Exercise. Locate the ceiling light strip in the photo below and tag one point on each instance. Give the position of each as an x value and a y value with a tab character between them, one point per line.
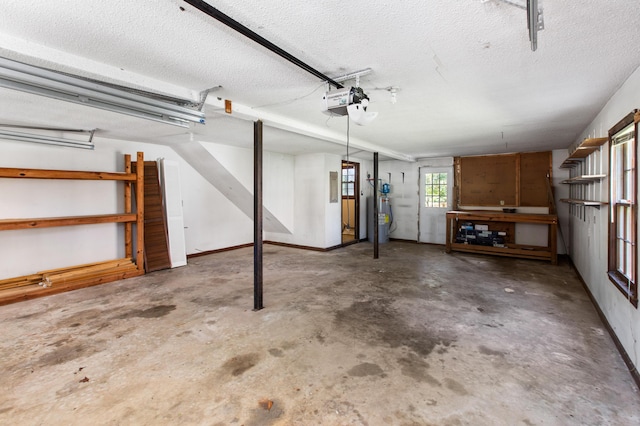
39	81
43	139
237	26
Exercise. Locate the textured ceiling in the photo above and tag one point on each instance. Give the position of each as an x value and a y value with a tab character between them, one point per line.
468	82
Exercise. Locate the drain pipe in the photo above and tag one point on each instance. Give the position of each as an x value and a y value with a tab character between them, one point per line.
237	26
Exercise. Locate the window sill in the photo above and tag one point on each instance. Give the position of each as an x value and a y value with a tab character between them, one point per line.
621	284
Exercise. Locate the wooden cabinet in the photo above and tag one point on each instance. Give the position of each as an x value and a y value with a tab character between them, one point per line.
499	220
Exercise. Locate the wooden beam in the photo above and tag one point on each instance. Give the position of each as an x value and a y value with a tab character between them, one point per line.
128	227
140	212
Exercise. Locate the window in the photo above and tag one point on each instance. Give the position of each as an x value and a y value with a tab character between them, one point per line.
623	208
348	181
436	190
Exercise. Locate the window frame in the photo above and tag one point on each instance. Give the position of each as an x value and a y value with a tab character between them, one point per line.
439	185
349	166
628	288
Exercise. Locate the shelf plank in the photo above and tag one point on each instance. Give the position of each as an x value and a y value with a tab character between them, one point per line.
48	222
8	172
586	148
497	216
584	202
584	179
593	142
513	251
18	294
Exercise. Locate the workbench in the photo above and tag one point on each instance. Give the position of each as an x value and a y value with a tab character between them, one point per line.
497	220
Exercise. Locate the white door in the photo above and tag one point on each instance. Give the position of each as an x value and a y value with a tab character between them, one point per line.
436	184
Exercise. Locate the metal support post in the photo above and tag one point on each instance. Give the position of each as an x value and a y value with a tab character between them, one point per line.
376	230
257	216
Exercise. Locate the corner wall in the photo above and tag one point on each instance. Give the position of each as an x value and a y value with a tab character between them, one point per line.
316	221
211	221
589	234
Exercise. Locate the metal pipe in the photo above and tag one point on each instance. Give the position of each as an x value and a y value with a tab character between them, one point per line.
376	231
237	26
257	216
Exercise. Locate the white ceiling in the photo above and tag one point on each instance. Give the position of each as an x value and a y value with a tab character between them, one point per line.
468	80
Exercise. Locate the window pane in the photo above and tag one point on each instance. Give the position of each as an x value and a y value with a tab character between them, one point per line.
436	190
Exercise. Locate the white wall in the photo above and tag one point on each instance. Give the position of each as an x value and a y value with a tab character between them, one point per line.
316	221
405	193
332	211
211	221
561	191
589	234
366	190
28	251
403	197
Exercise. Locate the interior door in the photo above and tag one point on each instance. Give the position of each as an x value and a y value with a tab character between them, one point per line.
436	192
350	202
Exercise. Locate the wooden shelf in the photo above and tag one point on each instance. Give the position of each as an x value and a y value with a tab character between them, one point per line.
588	203
64	174
69	278
511	250
584	179
48	222
586	147
548	252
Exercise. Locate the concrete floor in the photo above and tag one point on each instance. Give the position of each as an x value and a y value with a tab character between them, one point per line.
417	337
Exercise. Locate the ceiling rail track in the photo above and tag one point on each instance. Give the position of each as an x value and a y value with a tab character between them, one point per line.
237	26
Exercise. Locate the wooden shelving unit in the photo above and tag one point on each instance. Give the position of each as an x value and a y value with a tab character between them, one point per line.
586	147
511	250
69	278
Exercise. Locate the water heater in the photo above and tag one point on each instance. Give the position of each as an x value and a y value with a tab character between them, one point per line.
383	220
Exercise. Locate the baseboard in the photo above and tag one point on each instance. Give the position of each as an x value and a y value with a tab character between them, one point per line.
403	240
297	246
205	253
623	353
273	243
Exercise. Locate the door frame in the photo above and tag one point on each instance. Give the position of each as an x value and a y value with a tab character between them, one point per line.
355	197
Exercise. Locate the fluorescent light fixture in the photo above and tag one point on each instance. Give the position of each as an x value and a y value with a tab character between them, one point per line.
48	140
43	82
